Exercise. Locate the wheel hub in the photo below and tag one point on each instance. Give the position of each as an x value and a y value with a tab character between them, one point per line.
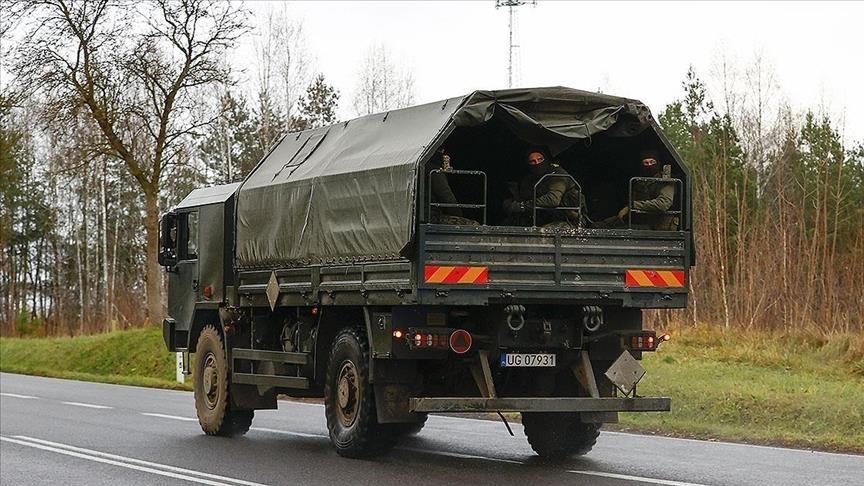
347	394
210	381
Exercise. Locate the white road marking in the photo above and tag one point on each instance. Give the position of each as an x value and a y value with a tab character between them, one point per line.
725	443
308	404
129	462
15	395
463	432
165	471
172	417
625	477
86	405
458	455
286	432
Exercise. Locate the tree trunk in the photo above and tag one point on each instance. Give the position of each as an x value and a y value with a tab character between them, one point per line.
154	274
106	301
112	295
80	271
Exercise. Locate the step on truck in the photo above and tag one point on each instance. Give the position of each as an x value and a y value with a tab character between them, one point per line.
330	272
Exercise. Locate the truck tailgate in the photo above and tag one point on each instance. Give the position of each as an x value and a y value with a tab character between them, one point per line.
587	264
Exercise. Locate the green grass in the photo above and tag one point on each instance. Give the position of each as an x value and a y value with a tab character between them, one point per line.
756	387
136	357
795	390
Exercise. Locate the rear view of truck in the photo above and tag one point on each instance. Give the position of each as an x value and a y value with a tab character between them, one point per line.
334	277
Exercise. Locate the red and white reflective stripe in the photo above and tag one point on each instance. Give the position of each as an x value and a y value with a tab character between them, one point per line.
654	278
436	274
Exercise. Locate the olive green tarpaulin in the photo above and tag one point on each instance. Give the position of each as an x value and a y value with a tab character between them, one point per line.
347	192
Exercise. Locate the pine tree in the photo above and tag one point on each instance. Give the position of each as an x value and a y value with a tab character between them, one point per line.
318	105
269	125
228	148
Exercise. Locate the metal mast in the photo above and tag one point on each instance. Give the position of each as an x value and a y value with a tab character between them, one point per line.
511	4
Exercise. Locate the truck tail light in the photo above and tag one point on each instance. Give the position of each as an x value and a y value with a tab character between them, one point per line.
425	338
646	341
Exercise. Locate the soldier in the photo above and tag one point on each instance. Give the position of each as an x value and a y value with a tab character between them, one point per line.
443	193
652	197
552	192
170	248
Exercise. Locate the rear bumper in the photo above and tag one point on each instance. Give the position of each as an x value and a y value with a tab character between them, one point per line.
540	404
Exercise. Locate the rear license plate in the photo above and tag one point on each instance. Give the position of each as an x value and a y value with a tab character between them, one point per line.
528	360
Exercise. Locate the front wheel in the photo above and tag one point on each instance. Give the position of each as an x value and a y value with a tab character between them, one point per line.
349	402
211	385
558	435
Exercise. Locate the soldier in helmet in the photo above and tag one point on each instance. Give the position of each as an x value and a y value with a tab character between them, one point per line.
552	192
651	198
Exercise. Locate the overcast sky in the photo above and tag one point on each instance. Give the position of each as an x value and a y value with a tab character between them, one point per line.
640	50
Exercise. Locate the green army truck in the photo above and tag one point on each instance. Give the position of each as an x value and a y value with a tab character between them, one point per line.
325	273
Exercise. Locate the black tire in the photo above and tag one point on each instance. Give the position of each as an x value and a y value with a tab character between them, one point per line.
410	428
211	385
559	435
349	401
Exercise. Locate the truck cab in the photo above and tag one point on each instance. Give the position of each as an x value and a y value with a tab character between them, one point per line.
195	242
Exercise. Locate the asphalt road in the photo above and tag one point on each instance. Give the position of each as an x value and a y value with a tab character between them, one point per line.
69	432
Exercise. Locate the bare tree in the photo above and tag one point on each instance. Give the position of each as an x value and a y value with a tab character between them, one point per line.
381	84
135	80
282	72
291	62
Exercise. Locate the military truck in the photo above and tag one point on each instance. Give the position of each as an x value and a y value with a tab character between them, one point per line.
324	274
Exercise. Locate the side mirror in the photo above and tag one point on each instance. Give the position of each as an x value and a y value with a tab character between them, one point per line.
168	240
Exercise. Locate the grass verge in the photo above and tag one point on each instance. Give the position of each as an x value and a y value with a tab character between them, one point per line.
779	389
137	357
767	388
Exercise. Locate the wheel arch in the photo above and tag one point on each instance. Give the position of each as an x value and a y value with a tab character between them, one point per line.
331	321
201	318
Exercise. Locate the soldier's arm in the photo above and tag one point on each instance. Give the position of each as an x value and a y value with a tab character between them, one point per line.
443	193
659	204
552	198
511	204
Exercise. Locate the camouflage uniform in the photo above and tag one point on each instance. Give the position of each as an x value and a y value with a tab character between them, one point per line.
552	192
654	197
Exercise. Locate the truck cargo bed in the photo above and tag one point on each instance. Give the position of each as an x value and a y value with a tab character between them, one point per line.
495	264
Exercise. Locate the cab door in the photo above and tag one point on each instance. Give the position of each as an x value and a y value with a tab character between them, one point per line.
183	280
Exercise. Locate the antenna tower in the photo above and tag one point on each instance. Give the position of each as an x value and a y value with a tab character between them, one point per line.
511	5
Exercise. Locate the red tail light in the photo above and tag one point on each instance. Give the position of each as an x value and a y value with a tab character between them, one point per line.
645	341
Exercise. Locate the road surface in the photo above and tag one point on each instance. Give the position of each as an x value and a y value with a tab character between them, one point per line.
68	432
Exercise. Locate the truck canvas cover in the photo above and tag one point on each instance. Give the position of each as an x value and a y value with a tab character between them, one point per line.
347	192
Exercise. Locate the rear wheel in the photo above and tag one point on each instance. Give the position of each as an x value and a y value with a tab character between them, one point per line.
558	435
349	402
211	385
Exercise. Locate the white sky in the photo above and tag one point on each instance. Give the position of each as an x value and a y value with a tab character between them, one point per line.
816	50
